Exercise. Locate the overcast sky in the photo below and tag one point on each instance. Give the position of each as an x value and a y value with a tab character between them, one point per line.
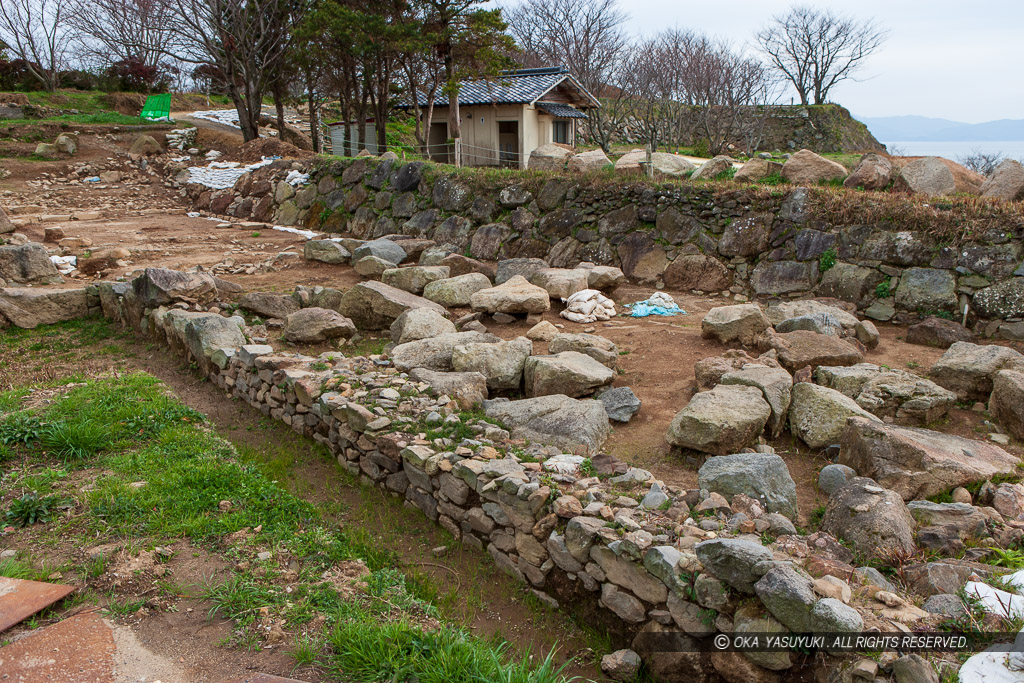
943	58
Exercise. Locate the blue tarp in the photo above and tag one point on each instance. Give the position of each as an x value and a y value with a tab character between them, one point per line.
642	309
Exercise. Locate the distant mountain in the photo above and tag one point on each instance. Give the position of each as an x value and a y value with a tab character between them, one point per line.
927	129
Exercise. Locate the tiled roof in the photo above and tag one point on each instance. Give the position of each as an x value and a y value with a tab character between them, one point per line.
562	111
511	87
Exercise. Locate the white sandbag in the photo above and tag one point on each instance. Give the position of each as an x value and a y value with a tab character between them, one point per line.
587	306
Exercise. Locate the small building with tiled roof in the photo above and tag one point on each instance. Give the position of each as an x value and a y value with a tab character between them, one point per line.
505	119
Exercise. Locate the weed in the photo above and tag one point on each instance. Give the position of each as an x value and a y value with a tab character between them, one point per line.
827	259
31	509
20	428
883	290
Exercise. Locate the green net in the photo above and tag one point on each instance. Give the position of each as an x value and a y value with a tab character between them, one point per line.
157	108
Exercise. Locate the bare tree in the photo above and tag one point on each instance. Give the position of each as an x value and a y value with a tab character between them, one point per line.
246	40
730	93
123	30
816	49
38	32
586	36
981	162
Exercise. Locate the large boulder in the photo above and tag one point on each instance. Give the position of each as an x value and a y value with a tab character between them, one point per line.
560	421
311	325
774	383
671	164
874	172
721	421
786	310
756	169
602	278
822	323
549	157
163	287
968	369
697	271
762	476
268	304
468	389
927	289
501	363
801	349
712	168
1006	182
597	347
873	520
455	292
326	251
772	278
435	353
561	283
740	323
420	323
375	305
514	297
1002	300
30	307
509	268
569	372
630	161
207	333
852	283
414	278
905	398
818	415
918	463
28	264
145	145
586	162
67	144
927	176
383	249
807	168
937	332
1007	400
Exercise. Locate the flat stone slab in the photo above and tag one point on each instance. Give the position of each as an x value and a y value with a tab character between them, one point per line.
20	599
79	649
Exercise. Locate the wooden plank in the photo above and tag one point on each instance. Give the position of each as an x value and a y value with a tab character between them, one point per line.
20	599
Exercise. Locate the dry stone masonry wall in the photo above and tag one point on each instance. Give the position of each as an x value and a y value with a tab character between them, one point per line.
683	236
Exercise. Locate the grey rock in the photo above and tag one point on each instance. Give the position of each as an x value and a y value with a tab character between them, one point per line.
720	421
834	476
620	403
554	420
414	278
570	373
326	251
764	477
741	323
788	595
317	325
269	305
435	353
27	264
832	616
420	323
916	462
456	292
818	415
501	363
375	305
968	369
384	249
927	289
872	519
737	562
775	384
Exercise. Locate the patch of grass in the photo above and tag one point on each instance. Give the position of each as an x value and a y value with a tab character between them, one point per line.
884	289
368	650
74	440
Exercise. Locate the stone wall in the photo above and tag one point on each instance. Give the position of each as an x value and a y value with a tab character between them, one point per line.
604	537
744	242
